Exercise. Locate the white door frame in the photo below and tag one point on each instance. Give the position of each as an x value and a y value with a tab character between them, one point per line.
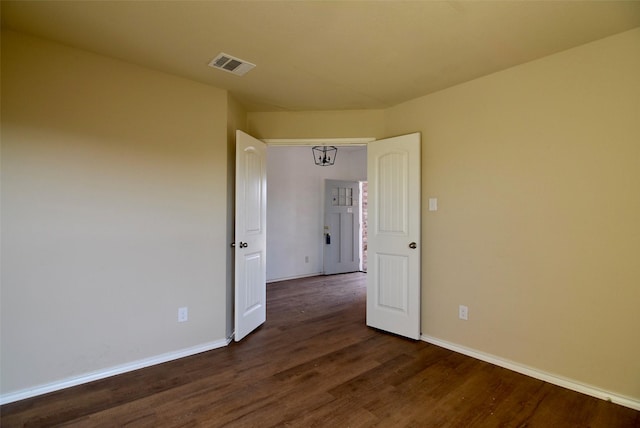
318	141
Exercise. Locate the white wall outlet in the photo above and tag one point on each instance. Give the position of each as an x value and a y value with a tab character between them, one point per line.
463	312
183	314
306	259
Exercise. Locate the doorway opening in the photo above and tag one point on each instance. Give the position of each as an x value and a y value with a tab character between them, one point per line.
393	287
296	205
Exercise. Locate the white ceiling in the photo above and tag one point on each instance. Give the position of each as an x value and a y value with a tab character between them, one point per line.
325	55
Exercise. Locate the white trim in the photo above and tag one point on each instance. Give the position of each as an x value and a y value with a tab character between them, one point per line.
537	374
287	278
318	141
101	374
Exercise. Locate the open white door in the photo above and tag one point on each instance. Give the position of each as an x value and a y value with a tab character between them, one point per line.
250	234
393	277
341	227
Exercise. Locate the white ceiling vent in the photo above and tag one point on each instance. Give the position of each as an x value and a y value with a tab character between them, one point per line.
231	64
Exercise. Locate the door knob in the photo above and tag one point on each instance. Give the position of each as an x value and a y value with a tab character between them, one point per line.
413	245
243	244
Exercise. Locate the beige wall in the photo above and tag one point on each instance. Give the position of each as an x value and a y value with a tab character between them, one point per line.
317	124
113	213
537	174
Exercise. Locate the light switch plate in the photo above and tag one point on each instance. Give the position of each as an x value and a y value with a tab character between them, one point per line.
433	204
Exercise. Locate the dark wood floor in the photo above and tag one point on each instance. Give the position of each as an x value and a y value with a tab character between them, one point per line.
315	363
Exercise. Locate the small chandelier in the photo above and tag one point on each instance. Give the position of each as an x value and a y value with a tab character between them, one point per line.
324	155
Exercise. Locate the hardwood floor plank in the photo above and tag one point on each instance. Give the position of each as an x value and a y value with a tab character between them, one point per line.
314	363
337	413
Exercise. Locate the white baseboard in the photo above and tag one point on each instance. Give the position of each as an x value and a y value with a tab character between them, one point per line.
102	374
306	275
537	374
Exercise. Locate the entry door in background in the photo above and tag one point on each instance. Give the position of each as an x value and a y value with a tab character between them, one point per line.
342	227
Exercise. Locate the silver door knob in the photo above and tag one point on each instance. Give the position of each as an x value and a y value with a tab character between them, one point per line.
243	245
413	245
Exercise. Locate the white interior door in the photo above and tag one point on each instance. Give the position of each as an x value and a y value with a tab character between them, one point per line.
250	234
341	227
393	276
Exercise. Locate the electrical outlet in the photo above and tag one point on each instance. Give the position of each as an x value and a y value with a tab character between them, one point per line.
463	312
306	259
183	314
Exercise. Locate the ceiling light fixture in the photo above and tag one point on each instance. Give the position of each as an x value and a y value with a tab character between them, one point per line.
324	155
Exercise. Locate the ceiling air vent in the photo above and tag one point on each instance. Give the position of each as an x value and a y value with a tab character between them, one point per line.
231	64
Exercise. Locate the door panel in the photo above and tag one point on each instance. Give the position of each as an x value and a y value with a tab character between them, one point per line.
250	232
394	289
392	188
393	280
342	225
